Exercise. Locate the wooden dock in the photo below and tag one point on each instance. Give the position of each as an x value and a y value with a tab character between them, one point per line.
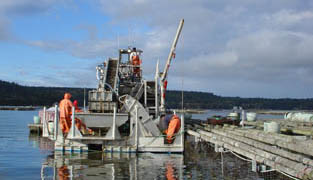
290	155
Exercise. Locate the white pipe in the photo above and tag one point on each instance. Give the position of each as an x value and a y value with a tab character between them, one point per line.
73	121
41	172
136	130
131	126
243	118
182	129
72	174
145	85
56	116
44	125
114	122
162	106
156	77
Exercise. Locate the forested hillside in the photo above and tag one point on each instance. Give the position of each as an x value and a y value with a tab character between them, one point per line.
16	95
13	94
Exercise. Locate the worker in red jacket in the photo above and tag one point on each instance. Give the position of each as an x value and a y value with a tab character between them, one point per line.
75	104
79	124
169	125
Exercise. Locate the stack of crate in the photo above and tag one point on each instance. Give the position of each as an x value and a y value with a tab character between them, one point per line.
101	101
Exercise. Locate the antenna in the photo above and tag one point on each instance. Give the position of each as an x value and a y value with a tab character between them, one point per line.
128	36
133	35
84	99
118	40
182	94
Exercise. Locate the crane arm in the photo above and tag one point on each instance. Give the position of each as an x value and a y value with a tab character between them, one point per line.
171	54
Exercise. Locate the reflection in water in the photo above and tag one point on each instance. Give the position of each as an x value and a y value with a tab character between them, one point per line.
40	142
199	161
98	165
63	173
170	171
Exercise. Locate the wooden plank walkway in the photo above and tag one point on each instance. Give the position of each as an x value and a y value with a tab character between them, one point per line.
292	155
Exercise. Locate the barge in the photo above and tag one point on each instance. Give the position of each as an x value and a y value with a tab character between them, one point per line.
124	110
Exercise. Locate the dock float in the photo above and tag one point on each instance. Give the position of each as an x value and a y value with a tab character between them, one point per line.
289	155
35	128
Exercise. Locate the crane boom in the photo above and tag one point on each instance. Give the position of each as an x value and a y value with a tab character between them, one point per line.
173	48
163	80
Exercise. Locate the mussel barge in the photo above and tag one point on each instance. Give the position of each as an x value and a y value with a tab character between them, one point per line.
123	111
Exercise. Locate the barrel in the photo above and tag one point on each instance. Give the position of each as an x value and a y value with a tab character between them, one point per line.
272	127
299	116
234	116
36	120
251	116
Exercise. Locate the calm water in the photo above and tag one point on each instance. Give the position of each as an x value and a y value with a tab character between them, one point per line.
30	157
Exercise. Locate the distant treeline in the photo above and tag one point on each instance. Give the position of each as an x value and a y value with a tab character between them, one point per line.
203	100
13	94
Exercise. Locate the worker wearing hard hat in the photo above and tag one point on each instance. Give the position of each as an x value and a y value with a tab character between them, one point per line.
169	125
65	113
135	61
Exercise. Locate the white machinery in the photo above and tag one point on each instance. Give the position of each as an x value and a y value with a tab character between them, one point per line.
123	111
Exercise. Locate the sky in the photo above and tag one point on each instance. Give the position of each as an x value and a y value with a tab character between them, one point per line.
245	48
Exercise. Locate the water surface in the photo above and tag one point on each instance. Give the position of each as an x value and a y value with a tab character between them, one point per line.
25	156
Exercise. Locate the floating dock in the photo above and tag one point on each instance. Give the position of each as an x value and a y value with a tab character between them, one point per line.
292	155
35	128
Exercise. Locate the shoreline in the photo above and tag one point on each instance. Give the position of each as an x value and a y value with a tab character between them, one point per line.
18	108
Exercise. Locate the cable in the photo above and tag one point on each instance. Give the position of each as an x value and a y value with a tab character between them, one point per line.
288	175
271	170
240	157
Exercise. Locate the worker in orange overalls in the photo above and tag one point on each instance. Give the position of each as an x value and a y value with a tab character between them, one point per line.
169	125
65	113
135	60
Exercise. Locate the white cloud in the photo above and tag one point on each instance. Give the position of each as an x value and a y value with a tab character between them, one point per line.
240	46
88	49
11	8
22	7
289	17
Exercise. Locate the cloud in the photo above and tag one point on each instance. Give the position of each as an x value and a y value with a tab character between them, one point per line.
27	7
5	31
289	17
235	47
9	9
88	49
